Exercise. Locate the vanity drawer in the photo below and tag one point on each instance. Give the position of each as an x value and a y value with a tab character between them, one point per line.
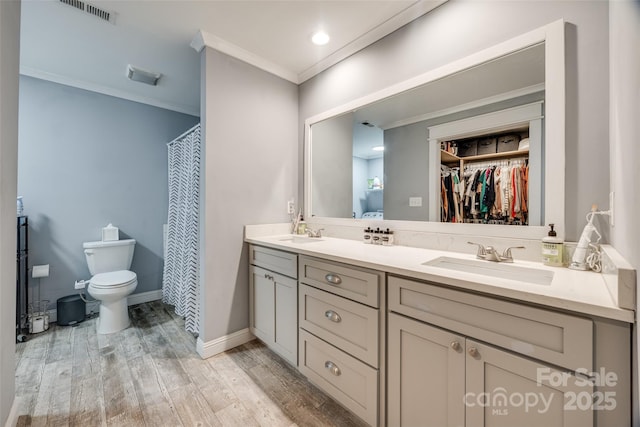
561	339
351	282
348	380
348	325
274	260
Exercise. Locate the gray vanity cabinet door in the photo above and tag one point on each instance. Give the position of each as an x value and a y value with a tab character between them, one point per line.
426	377
506	390
263	307
286	318
274	311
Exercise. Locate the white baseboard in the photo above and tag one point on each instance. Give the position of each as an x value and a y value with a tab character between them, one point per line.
12	420
222	344
92	307
144	297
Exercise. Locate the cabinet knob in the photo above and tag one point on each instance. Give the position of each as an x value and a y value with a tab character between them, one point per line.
473	352
333	316
334	279
333	368
455	345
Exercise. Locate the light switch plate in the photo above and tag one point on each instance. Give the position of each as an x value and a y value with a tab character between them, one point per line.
415	202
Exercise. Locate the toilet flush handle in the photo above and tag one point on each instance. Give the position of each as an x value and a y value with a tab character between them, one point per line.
88	251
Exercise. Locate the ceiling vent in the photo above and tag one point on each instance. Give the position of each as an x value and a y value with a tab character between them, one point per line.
139	75
83	6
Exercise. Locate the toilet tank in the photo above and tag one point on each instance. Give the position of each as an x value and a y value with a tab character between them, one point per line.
103	257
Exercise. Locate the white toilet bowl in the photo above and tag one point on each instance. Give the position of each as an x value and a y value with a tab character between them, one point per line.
112	289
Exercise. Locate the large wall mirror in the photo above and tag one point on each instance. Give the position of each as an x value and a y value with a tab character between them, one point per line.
384	157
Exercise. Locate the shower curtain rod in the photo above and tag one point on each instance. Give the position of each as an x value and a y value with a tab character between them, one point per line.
184	134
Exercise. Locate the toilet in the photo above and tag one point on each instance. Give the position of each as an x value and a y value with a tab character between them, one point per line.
111	281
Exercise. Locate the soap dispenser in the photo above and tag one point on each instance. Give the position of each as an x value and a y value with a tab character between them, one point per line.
302	226
552	249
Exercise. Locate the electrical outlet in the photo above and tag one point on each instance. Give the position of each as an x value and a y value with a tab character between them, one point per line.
291	207
415	202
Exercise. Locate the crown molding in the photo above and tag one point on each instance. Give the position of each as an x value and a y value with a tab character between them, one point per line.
204	39
401	19
105	90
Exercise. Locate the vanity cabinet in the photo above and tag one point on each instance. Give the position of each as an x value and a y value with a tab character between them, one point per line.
342	333
400	351
274	300
439	378
456	358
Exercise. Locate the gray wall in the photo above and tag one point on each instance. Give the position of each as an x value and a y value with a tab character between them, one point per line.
406	172
625	150
9	62
87	159
250	162
333	167
459	28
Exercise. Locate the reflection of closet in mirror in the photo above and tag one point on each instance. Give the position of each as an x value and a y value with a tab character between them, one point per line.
484	180
490	168
368	171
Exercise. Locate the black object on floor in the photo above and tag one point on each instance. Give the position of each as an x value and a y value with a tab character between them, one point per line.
71	310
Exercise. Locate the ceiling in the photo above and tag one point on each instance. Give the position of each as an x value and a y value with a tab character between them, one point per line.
63	44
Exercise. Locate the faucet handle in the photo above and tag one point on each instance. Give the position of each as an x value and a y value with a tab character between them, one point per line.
507	256
481	249
314	233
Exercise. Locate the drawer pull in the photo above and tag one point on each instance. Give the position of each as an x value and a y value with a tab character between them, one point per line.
473	352
333	316
455	345
332	368
334	279
268	276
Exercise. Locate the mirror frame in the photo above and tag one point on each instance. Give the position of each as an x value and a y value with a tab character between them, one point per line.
553	35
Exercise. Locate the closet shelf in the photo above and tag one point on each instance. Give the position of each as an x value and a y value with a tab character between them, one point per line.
504	155
446	157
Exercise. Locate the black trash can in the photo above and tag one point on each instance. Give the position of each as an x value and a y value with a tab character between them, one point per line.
71	310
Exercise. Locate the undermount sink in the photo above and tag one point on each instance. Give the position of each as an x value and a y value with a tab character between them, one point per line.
300	239
494	269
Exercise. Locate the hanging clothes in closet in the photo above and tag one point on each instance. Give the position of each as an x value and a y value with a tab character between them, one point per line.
452	191
495	193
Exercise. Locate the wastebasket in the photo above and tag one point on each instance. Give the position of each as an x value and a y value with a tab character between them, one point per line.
71	310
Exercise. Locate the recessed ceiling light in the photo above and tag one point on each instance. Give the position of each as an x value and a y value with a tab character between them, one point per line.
378	148
320	38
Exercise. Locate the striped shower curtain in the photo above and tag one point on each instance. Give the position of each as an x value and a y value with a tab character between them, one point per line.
180	281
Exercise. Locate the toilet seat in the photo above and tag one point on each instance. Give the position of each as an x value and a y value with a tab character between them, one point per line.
113	279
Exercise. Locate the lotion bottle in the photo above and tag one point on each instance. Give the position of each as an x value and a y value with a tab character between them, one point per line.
552	249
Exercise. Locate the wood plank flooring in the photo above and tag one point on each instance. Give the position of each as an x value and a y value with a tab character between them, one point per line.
150	375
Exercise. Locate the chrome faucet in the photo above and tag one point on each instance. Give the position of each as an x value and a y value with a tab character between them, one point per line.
314	233
490	253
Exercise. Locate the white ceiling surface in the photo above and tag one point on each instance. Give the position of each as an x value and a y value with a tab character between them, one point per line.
62	44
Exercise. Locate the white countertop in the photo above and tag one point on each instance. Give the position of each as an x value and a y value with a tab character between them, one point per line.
578	291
